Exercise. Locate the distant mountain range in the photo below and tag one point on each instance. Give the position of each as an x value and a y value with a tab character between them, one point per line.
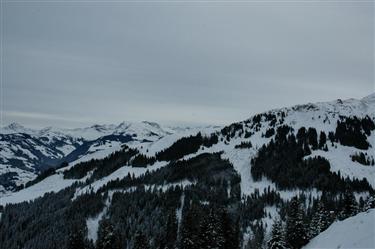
25	152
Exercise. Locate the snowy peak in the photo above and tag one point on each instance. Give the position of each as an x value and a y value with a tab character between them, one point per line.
369	100
348	107
15	128
323	115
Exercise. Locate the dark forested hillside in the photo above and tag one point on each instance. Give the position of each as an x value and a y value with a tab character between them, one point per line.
209	211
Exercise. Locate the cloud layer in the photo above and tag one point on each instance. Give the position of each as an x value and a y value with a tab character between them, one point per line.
68	64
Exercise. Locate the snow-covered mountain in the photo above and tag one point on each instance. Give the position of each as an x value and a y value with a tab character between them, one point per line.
254	167
25	152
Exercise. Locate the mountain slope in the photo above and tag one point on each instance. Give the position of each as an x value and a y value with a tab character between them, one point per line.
355	232
25	153
310	157
322	116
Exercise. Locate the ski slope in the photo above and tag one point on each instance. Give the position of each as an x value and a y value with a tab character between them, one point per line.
355	232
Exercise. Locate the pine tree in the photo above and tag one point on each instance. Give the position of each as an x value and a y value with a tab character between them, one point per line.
141	241
107	236
211	235
370	203
350	205
230	231
171	232
322	140
277	240
296	236
319	221
312	138
306	149
190	228
76	239
257	239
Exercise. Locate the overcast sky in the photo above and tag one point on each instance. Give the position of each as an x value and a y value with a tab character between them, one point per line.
75	64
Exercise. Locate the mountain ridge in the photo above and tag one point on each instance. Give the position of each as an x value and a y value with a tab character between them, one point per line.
99	139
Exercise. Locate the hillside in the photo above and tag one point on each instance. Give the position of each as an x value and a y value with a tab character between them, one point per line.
302	164
355	232
25	153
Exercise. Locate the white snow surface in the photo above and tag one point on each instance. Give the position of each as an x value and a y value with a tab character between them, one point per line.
52	183
118	174
340	160
92	223
354	232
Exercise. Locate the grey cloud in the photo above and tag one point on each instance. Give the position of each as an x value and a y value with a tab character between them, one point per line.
181	62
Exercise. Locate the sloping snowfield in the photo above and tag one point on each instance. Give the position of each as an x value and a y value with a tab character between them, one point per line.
355	232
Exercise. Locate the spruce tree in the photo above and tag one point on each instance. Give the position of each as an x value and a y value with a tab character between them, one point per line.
312	137
322	140
108	238
76	239
319	221
257	239
349	205
230	231
296	236
141	241
370	203
171	232
306	149
190	228
211	235
277	240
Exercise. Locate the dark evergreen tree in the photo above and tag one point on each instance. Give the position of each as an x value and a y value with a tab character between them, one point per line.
277	240
171	232
296	235
230	231
312	137
257	239
306	149
319	221
301	135
190	228
331	137
211	232
108	238
76	239
370	203
322	140
141	241
349	205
